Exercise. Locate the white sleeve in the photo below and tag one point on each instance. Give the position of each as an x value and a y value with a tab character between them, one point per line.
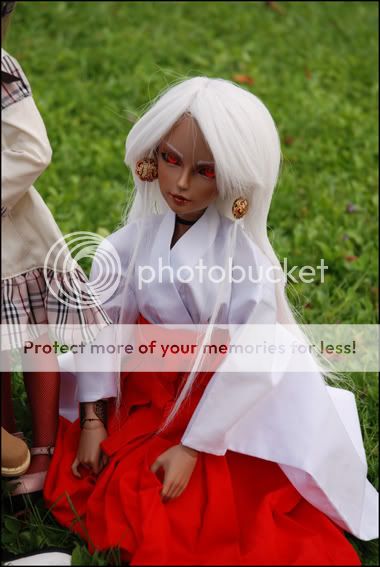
234	388
27	151
291	418
103	383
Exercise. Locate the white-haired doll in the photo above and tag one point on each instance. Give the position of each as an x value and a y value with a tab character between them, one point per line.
208	467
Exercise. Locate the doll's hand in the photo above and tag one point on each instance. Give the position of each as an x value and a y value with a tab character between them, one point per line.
178	463
89	452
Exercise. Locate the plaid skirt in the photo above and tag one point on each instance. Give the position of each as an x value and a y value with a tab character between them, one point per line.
63	301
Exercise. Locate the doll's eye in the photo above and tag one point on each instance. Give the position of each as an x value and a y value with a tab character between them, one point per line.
208	171
170	158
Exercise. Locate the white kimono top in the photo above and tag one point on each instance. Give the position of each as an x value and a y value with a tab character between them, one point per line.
311	430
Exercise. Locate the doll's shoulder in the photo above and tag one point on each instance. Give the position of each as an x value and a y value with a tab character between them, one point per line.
247	245
253	291
14	83
123	241
247	251
128	235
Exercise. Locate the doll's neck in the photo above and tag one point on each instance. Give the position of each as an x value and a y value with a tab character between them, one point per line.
185	222
181	226
179	230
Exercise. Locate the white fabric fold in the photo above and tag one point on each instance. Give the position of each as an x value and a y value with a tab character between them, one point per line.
311	430
294	419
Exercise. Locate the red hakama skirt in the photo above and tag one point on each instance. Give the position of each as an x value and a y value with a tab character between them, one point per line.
236	509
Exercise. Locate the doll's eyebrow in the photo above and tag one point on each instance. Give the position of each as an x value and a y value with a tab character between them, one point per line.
199	163
174	150
205	163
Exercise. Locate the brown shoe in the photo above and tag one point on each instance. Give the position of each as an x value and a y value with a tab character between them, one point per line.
15	456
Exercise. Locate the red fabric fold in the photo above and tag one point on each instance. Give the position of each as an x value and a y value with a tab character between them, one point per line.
236	509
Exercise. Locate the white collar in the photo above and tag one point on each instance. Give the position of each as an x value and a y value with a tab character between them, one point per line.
196	240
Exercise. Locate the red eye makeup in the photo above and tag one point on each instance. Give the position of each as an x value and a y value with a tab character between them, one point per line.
207	171
170	158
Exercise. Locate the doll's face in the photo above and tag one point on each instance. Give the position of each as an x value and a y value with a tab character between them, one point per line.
186	170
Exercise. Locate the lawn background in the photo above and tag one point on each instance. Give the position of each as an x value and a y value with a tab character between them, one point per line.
93	67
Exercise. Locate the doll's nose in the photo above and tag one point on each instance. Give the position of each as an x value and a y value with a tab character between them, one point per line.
183	182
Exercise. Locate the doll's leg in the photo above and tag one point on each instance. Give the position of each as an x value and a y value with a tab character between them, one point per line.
41	378
8	420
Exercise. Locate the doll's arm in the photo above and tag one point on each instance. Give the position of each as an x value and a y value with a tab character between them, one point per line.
93	422
28	152
99	365
97	375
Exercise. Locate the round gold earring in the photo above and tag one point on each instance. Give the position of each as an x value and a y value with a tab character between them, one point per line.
147	169
240	207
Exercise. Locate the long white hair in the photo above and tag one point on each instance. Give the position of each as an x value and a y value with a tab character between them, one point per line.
245	145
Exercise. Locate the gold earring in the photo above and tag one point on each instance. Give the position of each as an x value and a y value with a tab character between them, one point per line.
239	208
147	169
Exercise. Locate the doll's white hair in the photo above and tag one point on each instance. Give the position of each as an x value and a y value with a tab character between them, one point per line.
240	133
245	144
243	139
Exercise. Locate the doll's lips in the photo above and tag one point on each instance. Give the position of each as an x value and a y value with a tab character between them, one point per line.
178	199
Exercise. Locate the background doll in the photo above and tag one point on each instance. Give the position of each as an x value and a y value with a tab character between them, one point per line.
36	289
209	501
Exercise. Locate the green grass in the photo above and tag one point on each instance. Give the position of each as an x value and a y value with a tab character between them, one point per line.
94	66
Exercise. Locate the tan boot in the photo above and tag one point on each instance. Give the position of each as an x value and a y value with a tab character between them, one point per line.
15	456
